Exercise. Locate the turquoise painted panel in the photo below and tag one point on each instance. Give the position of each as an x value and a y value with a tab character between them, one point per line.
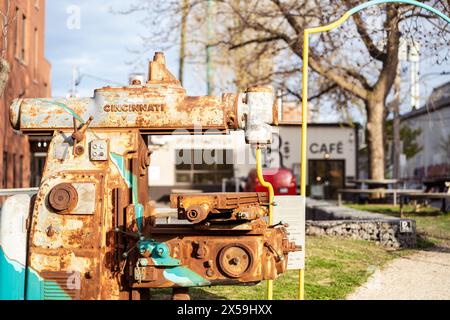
185	277
12	282
131	182
12	279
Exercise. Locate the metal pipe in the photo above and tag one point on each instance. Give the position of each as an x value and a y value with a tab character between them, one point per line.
269	186
12	192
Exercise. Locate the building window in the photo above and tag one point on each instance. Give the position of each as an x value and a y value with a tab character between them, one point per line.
23	48
14	172
36	54
5	170
21	172
203	166
17	34
20	39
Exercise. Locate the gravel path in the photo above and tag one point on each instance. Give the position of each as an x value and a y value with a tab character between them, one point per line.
424	275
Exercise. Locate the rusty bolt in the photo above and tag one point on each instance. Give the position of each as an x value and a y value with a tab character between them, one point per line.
209	272
79	150
50	231
192	214
209	263
89	275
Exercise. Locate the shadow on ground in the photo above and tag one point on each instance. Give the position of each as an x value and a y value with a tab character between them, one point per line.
195	293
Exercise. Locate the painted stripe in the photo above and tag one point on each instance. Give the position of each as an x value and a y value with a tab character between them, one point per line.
63	106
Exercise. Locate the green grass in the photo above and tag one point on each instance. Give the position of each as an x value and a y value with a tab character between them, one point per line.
334	268
433	226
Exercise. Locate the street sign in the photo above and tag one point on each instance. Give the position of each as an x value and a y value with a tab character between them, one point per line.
291	210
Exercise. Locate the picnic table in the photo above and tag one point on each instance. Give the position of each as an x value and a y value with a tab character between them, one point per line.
424	195
395	193
376	183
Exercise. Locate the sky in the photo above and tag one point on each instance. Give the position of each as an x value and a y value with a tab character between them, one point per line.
98	45
86	34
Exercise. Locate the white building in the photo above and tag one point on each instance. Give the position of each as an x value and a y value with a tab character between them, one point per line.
433	119
203	162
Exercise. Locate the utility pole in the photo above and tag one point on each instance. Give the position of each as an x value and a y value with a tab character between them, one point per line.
184	15
75	78
396	123
408	51
240	78
209	67
413	58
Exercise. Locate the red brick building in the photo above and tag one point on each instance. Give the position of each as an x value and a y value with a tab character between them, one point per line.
29	77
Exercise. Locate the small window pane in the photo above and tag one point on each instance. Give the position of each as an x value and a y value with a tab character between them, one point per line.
205	178
183	178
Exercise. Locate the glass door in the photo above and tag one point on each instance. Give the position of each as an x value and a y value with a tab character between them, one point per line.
325	178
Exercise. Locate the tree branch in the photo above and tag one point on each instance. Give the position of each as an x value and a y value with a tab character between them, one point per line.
341	81
289	17
367	40
252	41
313	97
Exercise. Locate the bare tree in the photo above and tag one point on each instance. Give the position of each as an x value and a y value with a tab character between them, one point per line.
355	65
6	20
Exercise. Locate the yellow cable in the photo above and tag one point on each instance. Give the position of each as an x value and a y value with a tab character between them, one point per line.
268	185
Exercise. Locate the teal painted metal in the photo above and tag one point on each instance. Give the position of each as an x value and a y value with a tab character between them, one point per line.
131	182
411	2
180	275
159	252
13	276
12	279
185	277
66	108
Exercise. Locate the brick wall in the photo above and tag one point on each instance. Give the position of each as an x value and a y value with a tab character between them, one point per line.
29	77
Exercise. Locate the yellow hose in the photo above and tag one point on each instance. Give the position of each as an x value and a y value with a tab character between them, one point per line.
268	185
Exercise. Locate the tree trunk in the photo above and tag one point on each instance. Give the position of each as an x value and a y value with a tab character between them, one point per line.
375	133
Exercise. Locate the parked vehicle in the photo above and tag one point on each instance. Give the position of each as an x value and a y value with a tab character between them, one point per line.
283	181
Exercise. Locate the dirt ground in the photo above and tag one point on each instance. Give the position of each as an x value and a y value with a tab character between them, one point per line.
424	275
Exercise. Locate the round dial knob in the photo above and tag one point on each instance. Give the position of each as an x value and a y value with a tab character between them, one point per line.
63	197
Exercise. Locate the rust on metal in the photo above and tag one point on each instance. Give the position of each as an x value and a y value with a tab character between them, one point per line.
92	220
232	206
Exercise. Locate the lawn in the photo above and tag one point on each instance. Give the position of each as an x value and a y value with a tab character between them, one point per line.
334	268
433	226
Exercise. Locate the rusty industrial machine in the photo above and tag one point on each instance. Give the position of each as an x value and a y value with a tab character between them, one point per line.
91	233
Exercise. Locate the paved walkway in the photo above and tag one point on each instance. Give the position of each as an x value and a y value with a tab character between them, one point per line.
424	275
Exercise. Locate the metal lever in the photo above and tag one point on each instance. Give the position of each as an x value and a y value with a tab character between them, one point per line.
278	256
78	135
